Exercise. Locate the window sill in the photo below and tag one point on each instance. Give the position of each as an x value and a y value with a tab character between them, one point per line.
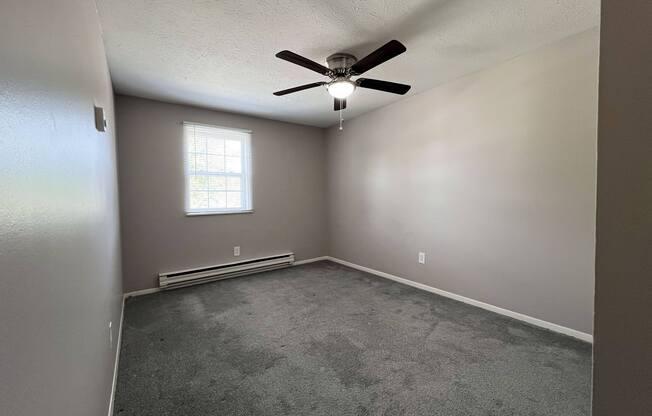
198	214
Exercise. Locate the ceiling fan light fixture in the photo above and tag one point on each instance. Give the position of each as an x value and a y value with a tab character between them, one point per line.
341	88
343	66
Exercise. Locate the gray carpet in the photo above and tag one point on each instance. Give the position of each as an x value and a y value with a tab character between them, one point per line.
323	339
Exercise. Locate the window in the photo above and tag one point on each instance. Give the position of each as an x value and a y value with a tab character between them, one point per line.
218	169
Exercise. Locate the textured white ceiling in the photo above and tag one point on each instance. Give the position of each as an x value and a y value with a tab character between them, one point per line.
220	53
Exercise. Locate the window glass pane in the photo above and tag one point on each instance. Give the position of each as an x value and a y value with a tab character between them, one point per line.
217	183
198	183
233	148
191	144
233	165
233	183
215	163
233	200
215	146
198	199
200	162
217	200
200	145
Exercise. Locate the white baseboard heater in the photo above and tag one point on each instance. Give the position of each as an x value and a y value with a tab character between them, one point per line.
196	276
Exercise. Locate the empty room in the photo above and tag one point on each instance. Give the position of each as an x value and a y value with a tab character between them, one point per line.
346	207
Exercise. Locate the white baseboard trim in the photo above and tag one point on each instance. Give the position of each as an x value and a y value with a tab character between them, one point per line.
142	292
521	317
117	359
312	260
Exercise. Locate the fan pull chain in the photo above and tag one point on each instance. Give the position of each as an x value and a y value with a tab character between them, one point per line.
341	119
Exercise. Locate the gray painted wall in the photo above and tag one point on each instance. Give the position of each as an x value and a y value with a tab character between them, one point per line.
289	185
622	376
492	175
60	279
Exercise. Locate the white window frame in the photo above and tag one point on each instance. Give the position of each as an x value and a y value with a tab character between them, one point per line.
245	175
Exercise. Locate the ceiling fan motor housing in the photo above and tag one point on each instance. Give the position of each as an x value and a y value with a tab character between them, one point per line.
340	62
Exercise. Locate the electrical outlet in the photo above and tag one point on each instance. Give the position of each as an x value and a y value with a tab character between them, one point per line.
236	251
422	257
111	334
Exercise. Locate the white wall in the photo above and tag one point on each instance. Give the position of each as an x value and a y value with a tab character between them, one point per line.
60	282
492	175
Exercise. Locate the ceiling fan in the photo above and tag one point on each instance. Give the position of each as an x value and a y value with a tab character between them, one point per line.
343	66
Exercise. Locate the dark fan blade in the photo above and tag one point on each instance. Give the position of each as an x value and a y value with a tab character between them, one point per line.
340	104
299	88
304	62
384	53
376	84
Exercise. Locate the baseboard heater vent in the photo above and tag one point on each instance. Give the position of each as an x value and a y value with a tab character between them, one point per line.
223	271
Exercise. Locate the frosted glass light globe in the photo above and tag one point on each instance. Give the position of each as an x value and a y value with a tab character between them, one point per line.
341	89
